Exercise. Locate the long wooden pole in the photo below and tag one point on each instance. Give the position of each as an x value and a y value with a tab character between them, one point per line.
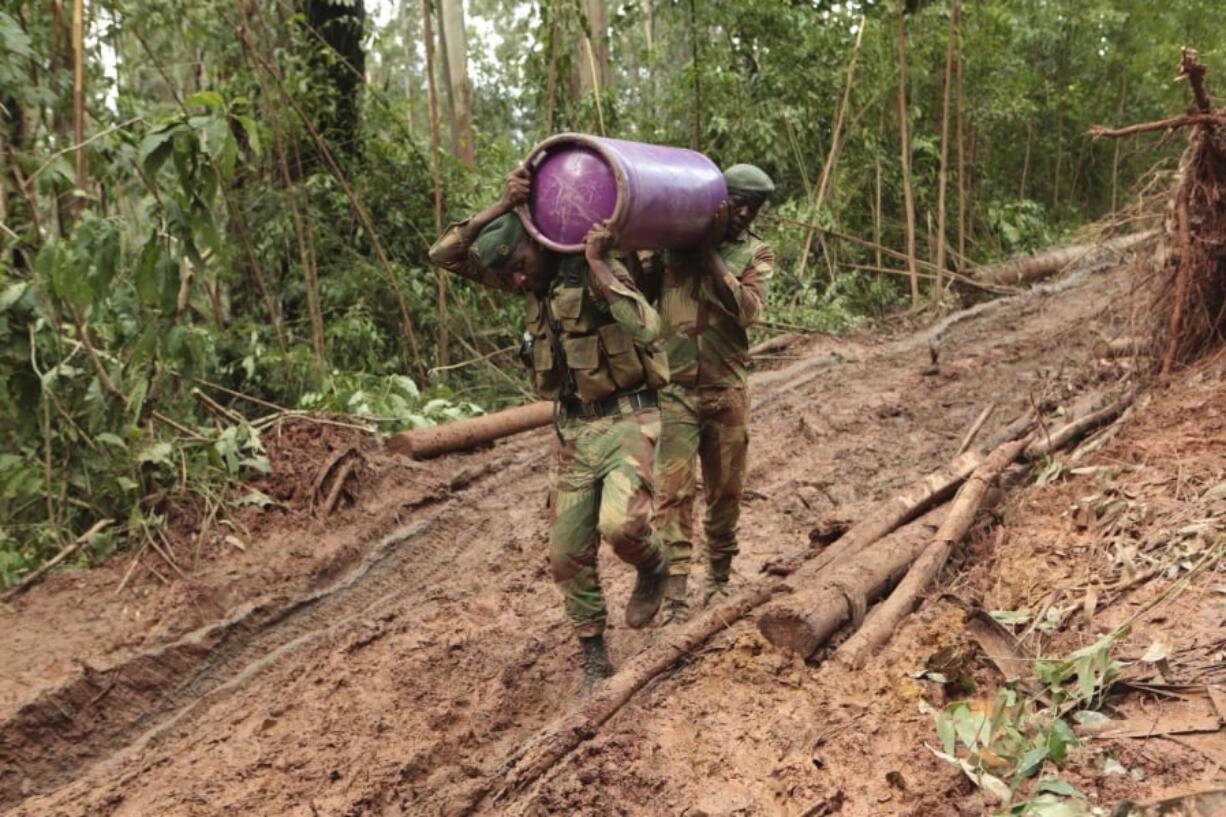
905	149
823	185
961	160
436	172
696	131
78	98
943	173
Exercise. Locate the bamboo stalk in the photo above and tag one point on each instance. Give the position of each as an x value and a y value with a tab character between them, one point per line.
905	150
823	184
943	172
890	613
961	161
78	100
435	171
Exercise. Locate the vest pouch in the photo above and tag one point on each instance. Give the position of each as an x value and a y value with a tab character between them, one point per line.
655	366
546	377
624	364
592	379
566	304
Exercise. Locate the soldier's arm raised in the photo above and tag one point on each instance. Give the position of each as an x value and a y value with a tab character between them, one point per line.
614	282
744	298
452	250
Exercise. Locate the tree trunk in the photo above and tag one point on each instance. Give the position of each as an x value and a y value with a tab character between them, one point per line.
551	82
905	149
78	103
696	129
410	61
596	18
803	621
436	170
961	164
826	181
1115	157
1034	268
424	443
943	174
886	618
877	215
455	59
340	27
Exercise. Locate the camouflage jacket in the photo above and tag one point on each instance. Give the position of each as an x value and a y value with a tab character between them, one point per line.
704	337
605	348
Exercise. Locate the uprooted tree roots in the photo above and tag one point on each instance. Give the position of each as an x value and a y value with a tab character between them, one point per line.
1189	285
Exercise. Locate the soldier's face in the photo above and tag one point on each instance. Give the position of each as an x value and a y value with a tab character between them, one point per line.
744	211
528	267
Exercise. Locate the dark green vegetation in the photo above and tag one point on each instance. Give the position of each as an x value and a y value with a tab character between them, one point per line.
241	194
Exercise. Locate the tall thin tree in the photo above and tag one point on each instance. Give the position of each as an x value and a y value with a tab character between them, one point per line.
905	149
436	170
454	42
78	100
943	172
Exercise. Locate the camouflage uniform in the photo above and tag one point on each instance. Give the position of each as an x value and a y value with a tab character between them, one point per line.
705	412
601	473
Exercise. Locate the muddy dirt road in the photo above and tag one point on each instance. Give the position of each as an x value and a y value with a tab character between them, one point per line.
387	661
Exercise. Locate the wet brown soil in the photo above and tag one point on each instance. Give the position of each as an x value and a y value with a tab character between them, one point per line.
387	659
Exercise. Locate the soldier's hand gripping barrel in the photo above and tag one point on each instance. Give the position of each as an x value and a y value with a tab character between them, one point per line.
657	197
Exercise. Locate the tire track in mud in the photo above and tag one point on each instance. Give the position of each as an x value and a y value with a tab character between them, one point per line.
103	711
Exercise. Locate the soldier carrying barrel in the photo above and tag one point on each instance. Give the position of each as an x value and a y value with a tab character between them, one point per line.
593	351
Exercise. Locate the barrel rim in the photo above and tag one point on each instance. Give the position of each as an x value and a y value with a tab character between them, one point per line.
537	155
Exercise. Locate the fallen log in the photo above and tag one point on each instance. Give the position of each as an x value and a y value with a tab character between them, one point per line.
803	621
906	595
899	509
424	443
800	621
1044	444
1027	270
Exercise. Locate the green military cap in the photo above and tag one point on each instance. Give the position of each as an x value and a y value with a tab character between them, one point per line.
498	239
747	180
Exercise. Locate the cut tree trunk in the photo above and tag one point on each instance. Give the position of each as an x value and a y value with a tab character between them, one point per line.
801	621
424	443
804	620
1037	267
906	596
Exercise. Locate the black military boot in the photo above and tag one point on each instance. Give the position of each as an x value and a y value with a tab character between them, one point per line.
647	594
716	590
596	664
676	603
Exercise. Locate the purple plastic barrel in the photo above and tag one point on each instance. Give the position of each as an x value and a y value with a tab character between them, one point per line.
659	197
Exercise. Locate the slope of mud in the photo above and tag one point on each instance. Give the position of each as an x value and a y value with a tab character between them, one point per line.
398	680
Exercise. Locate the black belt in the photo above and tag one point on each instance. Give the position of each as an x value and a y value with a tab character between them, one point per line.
610	406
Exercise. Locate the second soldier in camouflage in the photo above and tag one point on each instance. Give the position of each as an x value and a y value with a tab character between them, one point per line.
708	298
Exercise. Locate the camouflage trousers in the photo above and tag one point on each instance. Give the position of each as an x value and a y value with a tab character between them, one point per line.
711	425
600	485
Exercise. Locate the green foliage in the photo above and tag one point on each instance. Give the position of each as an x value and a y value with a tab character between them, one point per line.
1002	744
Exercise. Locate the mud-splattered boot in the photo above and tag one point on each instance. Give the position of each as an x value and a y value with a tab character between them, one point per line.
647	594
676	603
716	590
596	664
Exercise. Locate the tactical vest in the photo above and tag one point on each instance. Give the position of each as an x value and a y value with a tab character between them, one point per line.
599	357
